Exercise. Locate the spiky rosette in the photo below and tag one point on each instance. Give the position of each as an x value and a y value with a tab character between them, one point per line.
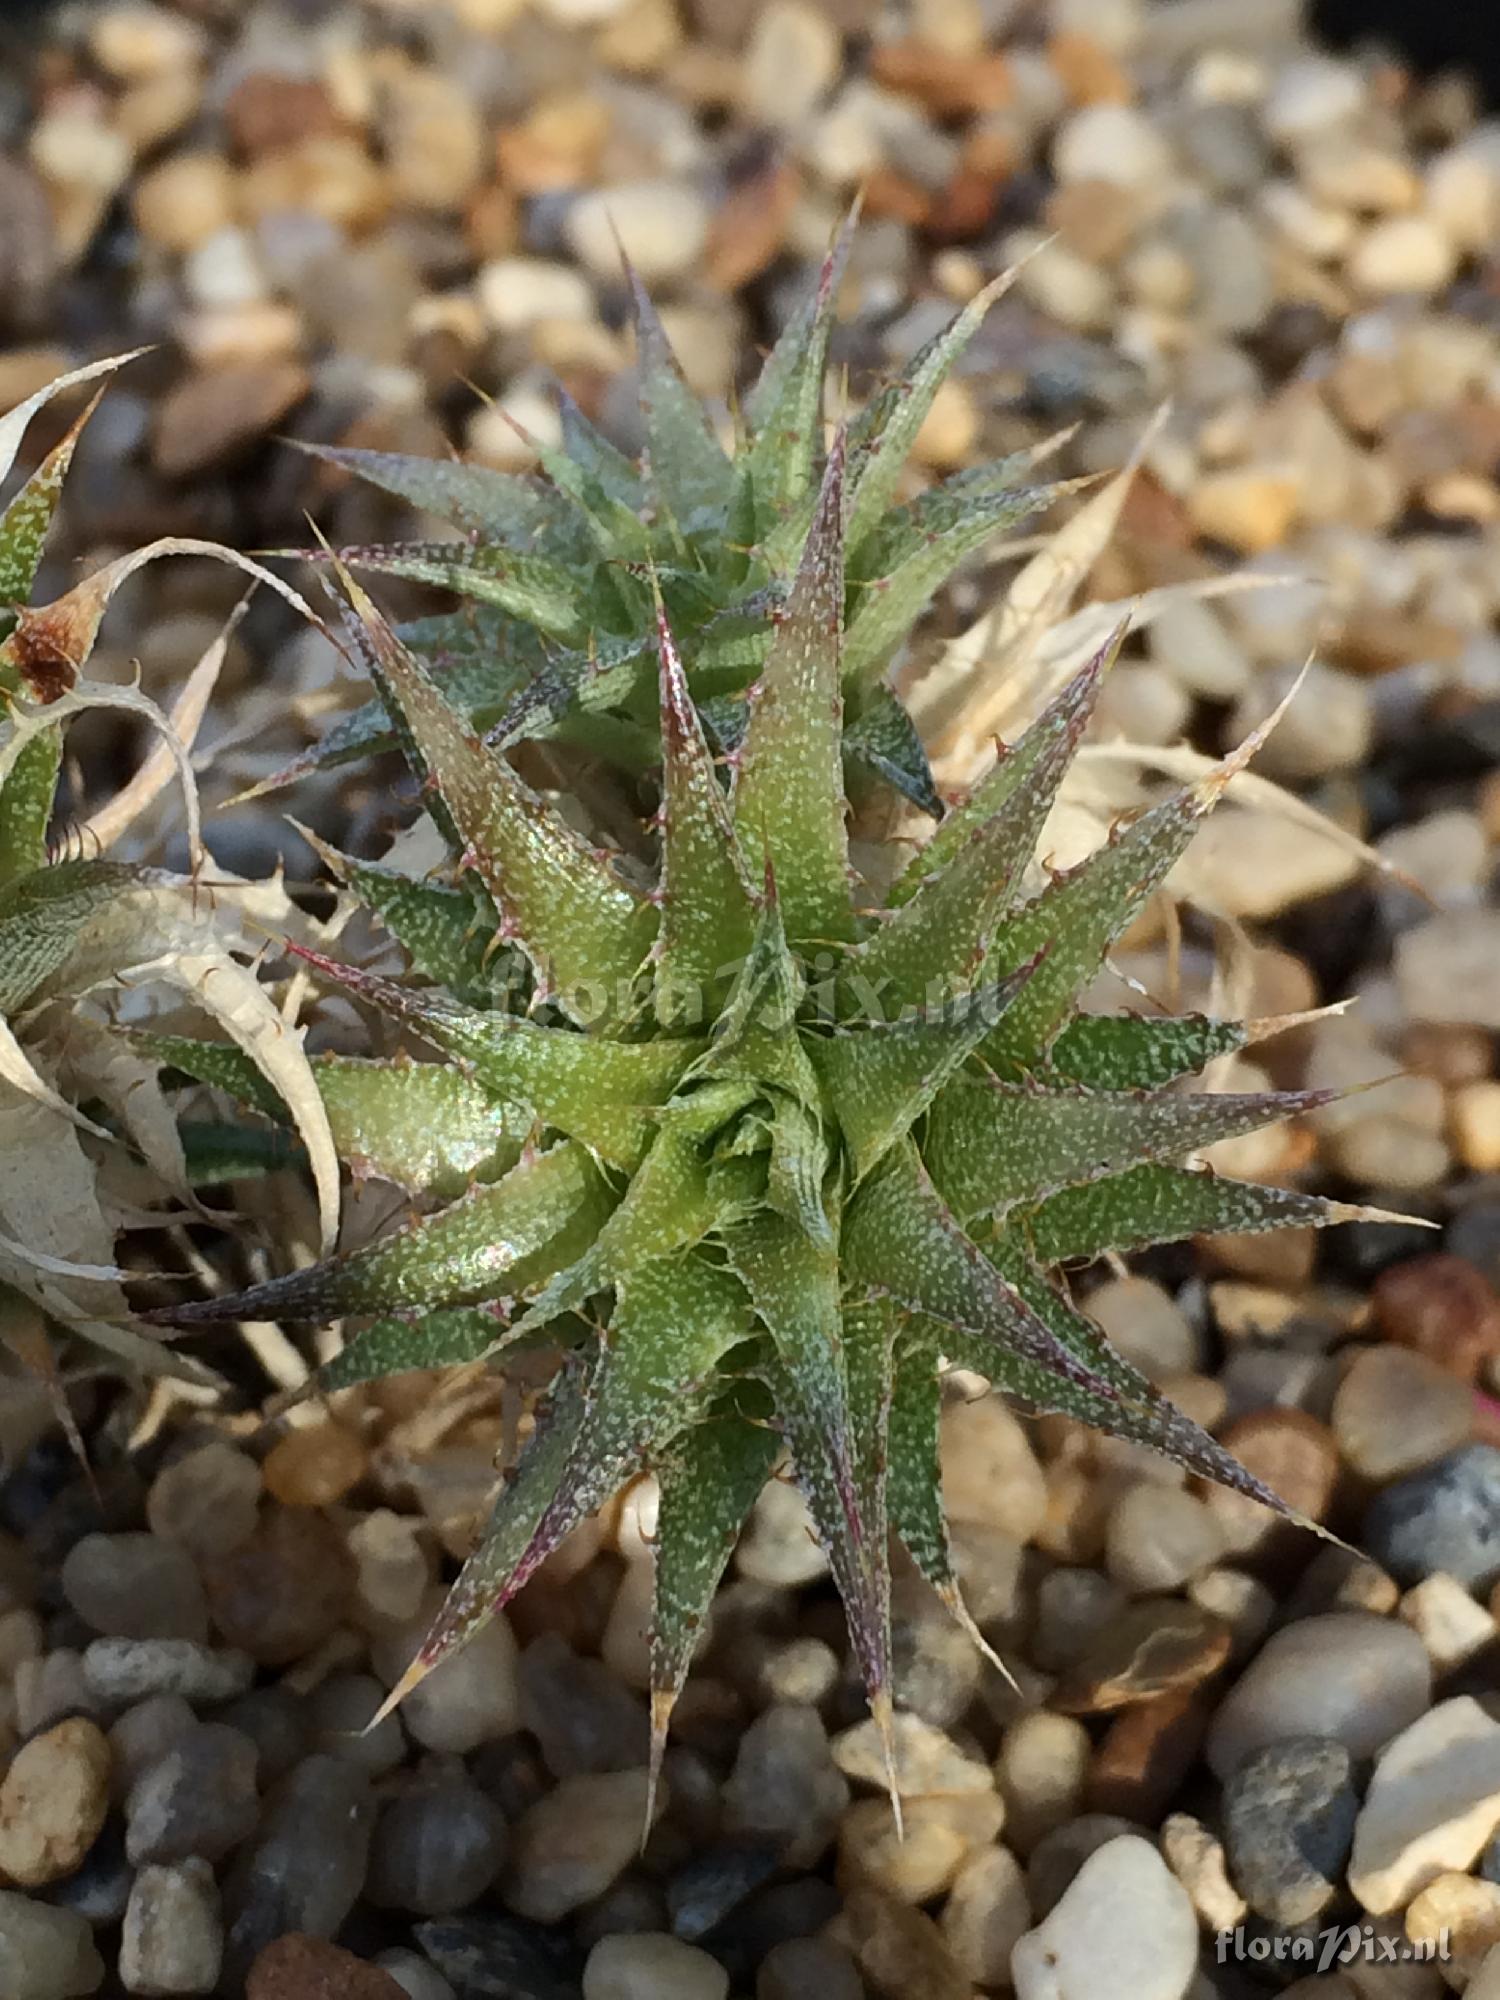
789	1156
559	569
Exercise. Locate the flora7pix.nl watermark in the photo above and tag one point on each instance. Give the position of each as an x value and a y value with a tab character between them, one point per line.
1326	1950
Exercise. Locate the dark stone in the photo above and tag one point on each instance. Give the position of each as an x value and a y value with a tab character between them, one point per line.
583	1718
714	1883
501	1958
1445	1517
1289	1814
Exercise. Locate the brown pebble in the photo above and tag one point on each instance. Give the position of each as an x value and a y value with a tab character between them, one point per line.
1154	1646
53	1803
946	84
1145	1754
280	1594
747	232
268	109
1293	1454
295	1967
900	1950
1087	71
1443	1307
315	1467
220	412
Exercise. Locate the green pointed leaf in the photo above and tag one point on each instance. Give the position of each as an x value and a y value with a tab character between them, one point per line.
1162	1205
600	1092
799	1163
687	465
788	797
539	589
991	1145
1126	1052
785	408
441	1339
27	793
881	1077
883	741
25	523
496	506
42	916
496	1242
547	884
707	915
587	446
882	439
710	1477
755	1037
1015	781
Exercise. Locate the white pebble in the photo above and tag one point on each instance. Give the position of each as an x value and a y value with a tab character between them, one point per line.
1111	142
650	1965
1433	1802
1125	1925
662	226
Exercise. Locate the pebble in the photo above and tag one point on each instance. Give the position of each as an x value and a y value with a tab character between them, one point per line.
1449	1623
1402	253
1196	1857
925	1761
1445	1517
785	1786
214	416
1397	1411
1443	1307
652	1966
1112	142
1040	1770
1245	1604
661	225
1474	1112
392	1571
1141	1317
207	1500
341	1710
1295	1455
279	1594
436	1848
919	1857
900	1950
1073	1605
1250	508
582	1717
184	201
717	1879
45	1954
790	63
309	1968
1143	1757
145	1734
133	1586
1124	1925
987	1910
278	1723
200	1799
574	1842
518	293
1310	94
495	1957
471	1698
307	1863
1446	968
810	1968
990	1472
417	1977
1153	1646
173	1939
1460	1918
1432	1803
314	1466
780	1545
1159	1538
1347	1675
1289	1814
53	1801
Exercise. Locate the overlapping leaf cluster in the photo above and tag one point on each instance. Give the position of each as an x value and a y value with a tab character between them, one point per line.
758	1160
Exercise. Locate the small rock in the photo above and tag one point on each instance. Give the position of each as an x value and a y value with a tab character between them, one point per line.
1053	1865
1112	142
1159	1537
1441	1306
1458	1919
901	1951
434	139
802	1670
1243	1602
583	1718
1347	1675
1396	1411
1073	1605
791	61
417	1977
207	1500
785	1786
99	1888
1446	969
50	1688
652	1966
1141	1317
145	1734
1249	507
574	1842
1125	1925
278	1722
199	1800
1198	1861
1402	253
1041	1770
990	1472
216	415
919	1858
1143	1757
1311	94
472	1697
314	1466
716	1880
392	1570
53	1801
518	293
1153	1646
987	1910
308	1968
436	1849
279	1594
1446	1517
1449	1623
135	1587
810	1968
926	1762
45	1954
1295	1455
185	200
173	1939
661	225
1288	1822
307	1863
1474	1111
1432	1803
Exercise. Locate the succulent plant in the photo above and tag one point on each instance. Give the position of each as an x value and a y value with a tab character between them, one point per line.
771	1149
559	570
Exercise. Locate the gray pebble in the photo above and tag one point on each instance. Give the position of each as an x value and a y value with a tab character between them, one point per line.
1445	1517
436	1849
1289	1813
135	1587
808	1969
712	1883
124	1670
583	1717
501	1958
307	1865
145	1734
201	1799
278	1723
340	1712
45	1954
173	1940
100	1889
